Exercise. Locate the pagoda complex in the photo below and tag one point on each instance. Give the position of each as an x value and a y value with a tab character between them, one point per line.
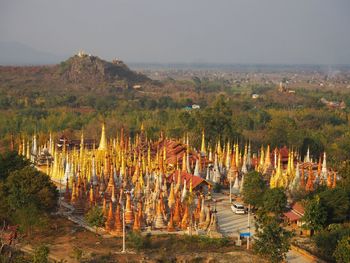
164	184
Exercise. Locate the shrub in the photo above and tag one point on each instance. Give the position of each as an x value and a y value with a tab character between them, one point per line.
41	254
342	251
326	241
272	241
217	188
77	253
95	218
138	241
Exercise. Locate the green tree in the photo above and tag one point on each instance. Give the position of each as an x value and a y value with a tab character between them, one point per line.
139	241
186	120
4	205
28	186
278	130
314	145
29	218
217	188
344	173
41	254
263	118
336	201
326	240
342	251
77	253
315	215
26	195
197	83
217	121
9	162
272	241
95	218
253	188
274	200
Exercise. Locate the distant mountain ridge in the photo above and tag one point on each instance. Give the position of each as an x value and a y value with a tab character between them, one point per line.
15	53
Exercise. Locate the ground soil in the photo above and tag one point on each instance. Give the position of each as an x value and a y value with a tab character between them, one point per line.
65	239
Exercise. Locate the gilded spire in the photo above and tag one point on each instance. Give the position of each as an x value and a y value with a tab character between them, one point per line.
310	180
267	162
171	227
203	143
324	173
110	218
118	227
171	199
159	222
103	141
129	214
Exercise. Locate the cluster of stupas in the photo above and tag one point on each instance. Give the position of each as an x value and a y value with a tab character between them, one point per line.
164	184
285	169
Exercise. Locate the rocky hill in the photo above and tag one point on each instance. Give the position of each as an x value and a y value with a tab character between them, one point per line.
83	68
80	72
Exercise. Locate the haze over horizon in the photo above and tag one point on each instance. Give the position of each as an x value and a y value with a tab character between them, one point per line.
158	31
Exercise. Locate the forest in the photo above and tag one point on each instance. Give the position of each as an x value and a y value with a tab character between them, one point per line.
227	112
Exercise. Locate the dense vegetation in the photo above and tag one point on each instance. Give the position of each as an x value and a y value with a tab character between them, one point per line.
81	92
27	195
297	120
327	215
42	102
271	240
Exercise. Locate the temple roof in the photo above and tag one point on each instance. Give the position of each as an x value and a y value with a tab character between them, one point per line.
174	150
196	180
297	211
292	216
298	207
284	152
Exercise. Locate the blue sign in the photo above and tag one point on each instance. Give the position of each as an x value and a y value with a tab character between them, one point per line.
245	234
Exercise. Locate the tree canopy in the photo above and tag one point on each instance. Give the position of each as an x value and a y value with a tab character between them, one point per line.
253	188
272	241
274	200
26	194
29	186
342	251
10	162
95	217
337	204
315	215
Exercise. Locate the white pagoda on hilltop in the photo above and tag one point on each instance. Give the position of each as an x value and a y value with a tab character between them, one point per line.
82	54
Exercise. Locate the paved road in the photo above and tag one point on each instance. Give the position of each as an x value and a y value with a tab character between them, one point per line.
231	225
295	257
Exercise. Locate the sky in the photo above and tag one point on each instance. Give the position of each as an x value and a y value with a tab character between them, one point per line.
182	31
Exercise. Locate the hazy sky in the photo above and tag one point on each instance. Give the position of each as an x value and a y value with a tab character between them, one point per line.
219	31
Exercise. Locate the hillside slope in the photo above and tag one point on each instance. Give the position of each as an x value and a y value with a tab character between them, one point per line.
79	73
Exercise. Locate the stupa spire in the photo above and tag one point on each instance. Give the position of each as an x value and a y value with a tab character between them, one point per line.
171	199
203	143
118	227
103	141
324	173
110	218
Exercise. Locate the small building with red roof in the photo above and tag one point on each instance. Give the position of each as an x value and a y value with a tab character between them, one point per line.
294	217
198	183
